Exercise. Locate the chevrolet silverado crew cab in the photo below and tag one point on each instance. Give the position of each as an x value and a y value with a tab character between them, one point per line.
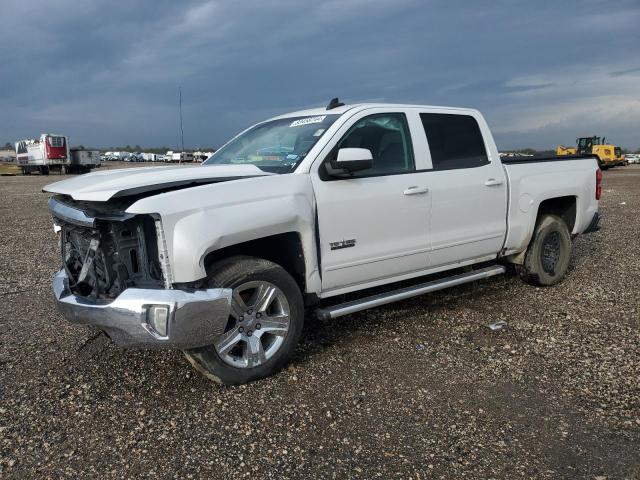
223	260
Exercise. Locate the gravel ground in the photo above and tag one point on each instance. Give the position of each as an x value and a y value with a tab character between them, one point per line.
420	389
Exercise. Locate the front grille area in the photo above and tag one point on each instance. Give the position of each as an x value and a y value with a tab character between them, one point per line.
103	261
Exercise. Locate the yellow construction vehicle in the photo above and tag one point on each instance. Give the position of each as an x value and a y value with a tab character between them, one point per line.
608	155
562	150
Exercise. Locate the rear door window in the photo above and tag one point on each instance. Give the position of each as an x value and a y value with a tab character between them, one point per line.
455	141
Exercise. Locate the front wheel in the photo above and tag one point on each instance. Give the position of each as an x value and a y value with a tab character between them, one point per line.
547	258
264	325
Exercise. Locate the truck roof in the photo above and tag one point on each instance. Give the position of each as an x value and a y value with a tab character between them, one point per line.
362	106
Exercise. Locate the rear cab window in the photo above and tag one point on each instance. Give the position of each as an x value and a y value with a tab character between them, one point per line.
455	141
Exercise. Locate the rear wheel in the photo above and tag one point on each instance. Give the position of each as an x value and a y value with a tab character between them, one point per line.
549	252
264	325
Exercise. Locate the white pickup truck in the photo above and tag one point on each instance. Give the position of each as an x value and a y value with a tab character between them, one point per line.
222	260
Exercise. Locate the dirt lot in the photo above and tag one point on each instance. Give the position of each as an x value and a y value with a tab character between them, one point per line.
421	389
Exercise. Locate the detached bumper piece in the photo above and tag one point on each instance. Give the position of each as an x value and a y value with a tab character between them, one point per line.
152	318
594	226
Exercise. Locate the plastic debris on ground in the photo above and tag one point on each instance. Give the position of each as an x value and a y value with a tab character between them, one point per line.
499	325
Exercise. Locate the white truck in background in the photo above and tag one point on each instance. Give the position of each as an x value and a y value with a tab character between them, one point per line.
179	157
150	157
51	153
222	260
48	153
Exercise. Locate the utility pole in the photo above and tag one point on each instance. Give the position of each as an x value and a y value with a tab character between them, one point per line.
181	129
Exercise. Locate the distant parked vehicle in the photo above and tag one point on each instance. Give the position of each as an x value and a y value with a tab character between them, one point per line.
48	153
117	156
181	157
128	157
632	158
83	161
52	153
201	156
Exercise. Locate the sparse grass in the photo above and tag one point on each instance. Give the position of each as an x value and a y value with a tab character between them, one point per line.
9	169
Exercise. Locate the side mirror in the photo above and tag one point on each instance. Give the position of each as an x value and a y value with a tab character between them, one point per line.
352	160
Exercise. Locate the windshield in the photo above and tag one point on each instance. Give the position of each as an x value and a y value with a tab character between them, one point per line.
277	146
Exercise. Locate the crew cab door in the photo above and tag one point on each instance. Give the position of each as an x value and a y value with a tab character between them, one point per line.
373	225
468	189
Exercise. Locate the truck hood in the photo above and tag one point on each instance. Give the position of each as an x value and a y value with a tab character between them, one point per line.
102	186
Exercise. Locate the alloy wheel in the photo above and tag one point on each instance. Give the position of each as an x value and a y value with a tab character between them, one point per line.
257	326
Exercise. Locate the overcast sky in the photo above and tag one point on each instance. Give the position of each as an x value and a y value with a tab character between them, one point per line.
107	72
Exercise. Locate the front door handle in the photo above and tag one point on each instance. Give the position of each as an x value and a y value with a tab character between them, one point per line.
416	190
492	182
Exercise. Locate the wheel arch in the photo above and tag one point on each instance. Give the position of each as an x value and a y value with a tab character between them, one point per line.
564	207
284	249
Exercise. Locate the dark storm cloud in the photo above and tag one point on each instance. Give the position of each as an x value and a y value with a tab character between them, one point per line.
625	72
107	72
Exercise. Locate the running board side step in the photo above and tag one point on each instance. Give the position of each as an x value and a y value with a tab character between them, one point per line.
347	308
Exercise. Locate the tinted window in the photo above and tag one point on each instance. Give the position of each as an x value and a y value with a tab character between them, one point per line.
455	141
387	136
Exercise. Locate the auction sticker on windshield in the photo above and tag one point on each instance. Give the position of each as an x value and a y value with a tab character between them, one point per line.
308	120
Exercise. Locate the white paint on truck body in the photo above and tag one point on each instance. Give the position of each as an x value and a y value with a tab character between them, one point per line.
367	231
202	219
102	186
532	183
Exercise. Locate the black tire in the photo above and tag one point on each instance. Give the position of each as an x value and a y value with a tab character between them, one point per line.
548	254
234	272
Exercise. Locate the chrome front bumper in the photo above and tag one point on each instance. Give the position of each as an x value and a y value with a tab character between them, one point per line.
194	320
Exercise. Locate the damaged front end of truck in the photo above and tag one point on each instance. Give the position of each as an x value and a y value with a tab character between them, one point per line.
116	276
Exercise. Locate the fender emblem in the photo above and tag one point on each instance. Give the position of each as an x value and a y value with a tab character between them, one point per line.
343	244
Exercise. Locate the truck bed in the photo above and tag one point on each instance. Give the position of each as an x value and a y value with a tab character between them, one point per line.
546	158
571	177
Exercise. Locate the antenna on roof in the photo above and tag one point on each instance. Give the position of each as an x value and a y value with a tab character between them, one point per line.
334	103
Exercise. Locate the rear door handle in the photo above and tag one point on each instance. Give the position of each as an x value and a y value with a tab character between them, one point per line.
492	182
416	190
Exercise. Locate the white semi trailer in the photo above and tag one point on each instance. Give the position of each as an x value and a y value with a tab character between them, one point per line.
48	153
51	152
